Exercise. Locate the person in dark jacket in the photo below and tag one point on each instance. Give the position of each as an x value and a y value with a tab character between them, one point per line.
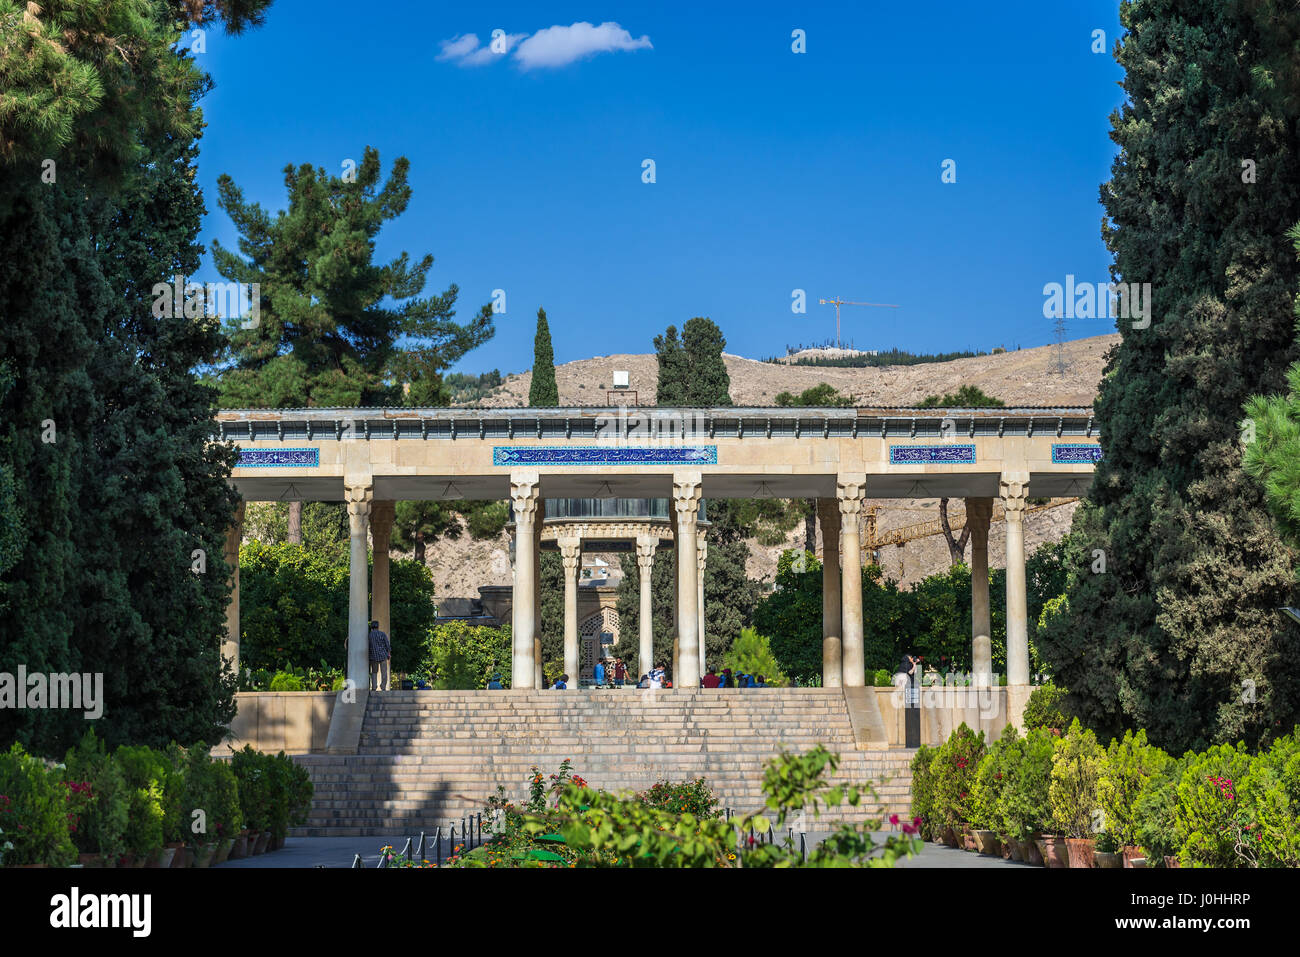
380	653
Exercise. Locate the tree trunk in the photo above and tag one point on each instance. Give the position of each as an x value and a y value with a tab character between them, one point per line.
419	546
956	546
294	536
810	526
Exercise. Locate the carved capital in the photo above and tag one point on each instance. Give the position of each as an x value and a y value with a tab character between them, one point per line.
645	551
381	519
571	552
828	516
1014	491
851	492
701	552
524	497
686	497
359	499
979	513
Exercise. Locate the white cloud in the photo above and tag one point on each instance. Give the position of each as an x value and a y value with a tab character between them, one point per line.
466	51
559	46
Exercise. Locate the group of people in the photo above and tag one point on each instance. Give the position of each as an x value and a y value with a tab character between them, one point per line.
727	680
607	673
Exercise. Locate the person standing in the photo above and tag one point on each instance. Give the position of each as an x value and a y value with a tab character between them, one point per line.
657	676
380	653
599	673
710	680
620	673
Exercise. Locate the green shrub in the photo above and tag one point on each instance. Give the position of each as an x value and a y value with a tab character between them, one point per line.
210	788
954	767
883	678
1206	815
1130	763
1272	797
1026	801
686	797
101	828
1154	813
154	801
456	652
253	780
751	654
1044	709
992	779
33	812
923	790
1078	764
285	681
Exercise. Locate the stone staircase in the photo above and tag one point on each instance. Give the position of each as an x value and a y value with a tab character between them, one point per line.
428	757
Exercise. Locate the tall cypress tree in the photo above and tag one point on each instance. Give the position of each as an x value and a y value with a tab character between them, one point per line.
1181	632
544	392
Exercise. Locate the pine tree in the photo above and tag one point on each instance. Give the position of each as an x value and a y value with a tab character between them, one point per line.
544	392
1181	632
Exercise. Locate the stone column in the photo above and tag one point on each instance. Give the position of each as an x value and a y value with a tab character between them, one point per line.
537	593
828	516
381	528
686	500
571	553
703	550
1014	489
645	560
524	500
851	491
979	511
359	499
677	589
234	535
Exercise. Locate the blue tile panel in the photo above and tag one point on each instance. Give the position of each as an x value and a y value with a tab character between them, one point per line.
605	455
1076	454
278	458
932	455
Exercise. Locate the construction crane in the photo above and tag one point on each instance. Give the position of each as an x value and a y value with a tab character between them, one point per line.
957	521
849	302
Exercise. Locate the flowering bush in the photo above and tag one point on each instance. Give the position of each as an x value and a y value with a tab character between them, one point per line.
1026	802
1209	815
98	797
688	797
993	778
33	812
923	790
953	768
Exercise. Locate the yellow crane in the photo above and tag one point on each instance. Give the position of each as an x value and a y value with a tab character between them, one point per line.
849	302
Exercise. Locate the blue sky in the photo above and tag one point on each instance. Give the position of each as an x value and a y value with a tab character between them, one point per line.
774	170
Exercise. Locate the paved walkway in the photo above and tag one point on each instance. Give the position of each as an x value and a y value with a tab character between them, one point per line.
340	851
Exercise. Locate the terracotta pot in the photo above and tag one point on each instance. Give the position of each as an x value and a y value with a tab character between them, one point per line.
164	857
126	860
178	855
263	842
1030	853
1130	852
1080	851
967	838
950	837
1053	850
1015	849
986	842
204	854
1171	860
1005	847
89	860
223	850
277	843
241	845
1108	860
1139	863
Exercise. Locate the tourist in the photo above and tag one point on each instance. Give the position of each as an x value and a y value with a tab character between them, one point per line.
562	684
495	683
644	682
760	683
620	673
380	653
657	676
725	680
710	680
599	673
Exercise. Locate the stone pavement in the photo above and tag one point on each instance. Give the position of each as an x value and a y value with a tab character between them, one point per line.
339	852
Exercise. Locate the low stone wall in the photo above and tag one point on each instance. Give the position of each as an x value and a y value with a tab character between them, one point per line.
942	709
296	722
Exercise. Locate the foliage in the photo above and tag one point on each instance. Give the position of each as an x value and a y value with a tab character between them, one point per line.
1155	810
751	654
966	397
687	797
210	805
1130	764
993	777
1208	805
891	357
33	812
1187	609
692	373
1044	708
1078	765
954	767
543	392
102	823
1026	803
153	817
923	798
820	396
458	655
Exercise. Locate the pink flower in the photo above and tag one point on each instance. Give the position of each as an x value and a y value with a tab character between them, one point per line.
893	819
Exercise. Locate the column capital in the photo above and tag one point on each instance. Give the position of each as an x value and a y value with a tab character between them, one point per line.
979	513
525	493
702	552
646	545
359	499
382	514
851	491
1013	489
687	490
571	551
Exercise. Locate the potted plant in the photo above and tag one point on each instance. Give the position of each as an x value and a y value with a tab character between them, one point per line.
954	766
923	791
33	813
102	808
991	780
1153	812
144	771
1077	766
1130	763
1107	854
1025	803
